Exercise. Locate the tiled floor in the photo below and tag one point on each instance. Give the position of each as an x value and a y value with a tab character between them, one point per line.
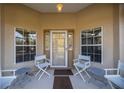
77	83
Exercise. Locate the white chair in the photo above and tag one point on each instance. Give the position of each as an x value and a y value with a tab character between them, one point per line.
82	64
42	63
5	81
117	78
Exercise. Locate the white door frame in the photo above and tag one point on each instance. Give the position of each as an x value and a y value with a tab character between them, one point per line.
66	51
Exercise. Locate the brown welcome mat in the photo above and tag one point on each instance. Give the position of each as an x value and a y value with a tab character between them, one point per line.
62	83
63	72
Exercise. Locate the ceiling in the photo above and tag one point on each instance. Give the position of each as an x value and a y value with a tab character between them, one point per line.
51	7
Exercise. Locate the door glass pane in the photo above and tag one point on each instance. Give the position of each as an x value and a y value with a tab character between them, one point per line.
70	40
58	48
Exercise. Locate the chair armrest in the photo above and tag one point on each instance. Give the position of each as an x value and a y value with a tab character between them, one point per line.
87	64
110	69
75	60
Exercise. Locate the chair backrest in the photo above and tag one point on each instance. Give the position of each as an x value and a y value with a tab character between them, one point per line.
39	59
84	59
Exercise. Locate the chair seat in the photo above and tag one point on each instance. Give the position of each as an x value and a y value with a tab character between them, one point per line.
80	65
44	65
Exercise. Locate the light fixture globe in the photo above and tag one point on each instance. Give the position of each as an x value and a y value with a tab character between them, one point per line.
59	7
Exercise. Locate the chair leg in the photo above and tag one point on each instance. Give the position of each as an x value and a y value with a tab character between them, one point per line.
44	71
79	72
37	73
41	75
87	74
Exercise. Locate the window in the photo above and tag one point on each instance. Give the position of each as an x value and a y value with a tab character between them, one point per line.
91	44
25	45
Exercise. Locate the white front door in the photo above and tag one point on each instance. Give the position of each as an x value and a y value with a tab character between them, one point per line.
58	50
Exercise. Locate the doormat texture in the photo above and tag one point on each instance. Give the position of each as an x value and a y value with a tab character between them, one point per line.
63	72
62	83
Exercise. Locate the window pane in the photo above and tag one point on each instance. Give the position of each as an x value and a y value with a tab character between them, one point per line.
83	34
19	36
19	41
97	40
19	49
19	54
84	53
83	40
33	49
33	56
84	49
26	53
97	31
91	57
32	35
97	49
90	33
26	34
26	57
90	40
19	58
32	38
97	58
27	50
90	49
19	33
32	41
26	41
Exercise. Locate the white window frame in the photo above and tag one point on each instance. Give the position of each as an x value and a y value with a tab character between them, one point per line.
102	35
21	45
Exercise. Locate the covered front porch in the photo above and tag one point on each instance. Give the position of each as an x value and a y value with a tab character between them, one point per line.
61	81
26	32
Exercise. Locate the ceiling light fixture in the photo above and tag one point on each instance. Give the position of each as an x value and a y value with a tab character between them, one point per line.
59	7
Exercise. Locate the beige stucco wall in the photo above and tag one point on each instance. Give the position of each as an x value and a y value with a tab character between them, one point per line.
17	15
121	29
